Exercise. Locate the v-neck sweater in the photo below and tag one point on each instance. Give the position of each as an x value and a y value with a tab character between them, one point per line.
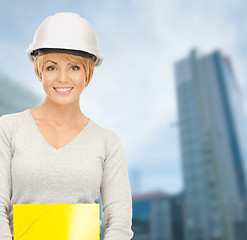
34	172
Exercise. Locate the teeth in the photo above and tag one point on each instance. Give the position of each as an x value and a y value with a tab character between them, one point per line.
63	89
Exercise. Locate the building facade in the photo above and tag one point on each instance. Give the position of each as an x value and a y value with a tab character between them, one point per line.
208	99
15	97
157	216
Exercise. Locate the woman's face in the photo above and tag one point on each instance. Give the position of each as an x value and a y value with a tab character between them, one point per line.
59	74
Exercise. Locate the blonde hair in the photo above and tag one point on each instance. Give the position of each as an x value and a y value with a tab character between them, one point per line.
88	64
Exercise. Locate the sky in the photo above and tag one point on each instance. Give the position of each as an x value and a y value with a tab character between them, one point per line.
133	91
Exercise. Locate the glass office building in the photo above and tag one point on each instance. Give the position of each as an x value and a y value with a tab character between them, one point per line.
14	97
210	125
158	216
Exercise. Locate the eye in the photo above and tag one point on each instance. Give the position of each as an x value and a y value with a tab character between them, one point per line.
50	68
75	67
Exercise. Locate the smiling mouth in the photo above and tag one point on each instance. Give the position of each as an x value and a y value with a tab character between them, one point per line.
62	87
63	90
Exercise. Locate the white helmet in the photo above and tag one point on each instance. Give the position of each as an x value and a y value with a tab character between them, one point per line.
66	32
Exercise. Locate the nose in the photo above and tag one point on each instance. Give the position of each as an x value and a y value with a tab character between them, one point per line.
63	75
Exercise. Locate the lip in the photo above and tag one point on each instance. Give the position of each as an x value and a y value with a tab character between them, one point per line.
63	93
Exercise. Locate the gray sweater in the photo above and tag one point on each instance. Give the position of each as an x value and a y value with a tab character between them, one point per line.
34	172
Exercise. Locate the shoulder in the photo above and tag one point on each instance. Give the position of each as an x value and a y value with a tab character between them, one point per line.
8	122
109	136
105	132
12	116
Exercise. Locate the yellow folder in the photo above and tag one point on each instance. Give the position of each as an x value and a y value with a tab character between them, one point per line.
56	221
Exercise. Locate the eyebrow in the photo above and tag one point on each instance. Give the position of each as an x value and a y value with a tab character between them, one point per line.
53	62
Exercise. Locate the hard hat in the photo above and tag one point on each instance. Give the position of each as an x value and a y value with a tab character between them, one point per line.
66	32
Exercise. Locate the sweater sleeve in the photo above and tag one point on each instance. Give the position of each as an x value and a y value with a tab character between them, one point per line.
115	192
5	180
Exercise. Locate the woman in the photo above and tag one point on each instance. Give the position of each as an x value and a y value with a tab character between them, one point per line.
53	153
